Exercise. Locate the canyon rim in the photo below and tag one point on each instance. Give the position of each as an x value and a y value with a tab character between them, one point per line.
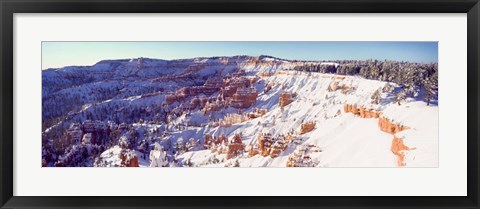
241	111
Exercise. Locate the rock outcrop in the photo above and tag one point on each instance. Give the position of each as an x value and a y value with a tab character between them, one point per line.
212	141
270	145
235	146
211	86
264	74
335	86
385	125
307	127
285	99
278	147
264	142
213	106
389	127
256	113
361	111
129	159
301	157
234	118
244	97
117	157
222	145
397	148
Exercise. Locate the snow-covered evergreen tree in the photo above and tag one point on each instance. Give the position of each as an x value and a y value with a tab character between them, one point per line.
376	97
400	96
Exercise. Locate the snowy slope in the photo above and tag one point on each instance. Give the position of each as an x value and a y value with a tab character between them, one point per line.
117	90
346	140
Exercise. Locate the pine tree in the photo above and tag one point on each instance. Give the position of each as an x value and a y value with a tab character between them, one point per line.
408	80
400	96
430	90
388	88
376	97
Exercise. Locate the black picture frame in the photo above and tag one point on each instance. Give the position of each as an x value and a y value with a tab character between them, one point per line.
9	7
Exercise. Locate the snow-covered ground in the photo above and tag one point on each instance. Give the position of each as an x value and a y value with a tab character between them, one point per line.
345	139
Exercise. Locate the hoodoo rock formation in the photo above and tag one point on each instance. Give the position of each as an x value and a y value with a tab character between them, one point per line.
397	148
285	99
264	142
239	111
244	97
235	146
234	118
222	145
389	127
231	119
256	113
236	91
213	106
301	157
264	74
385	125
278	147
361	111
211	86
212	141
232	84
307	127
129	159
270	145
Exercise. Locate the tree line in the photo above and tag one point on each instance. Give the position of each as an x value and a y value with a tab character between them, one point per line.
415	79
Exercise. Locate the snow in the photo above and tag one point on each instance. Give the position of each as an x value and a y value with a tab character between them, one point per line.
346	140
111	157
330	63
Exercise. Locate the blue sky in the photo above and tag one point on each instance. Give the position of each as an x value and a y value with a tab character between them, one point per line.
60	54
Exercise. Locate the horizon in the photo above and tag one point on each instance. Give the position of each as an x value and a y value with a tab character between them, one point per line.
64	54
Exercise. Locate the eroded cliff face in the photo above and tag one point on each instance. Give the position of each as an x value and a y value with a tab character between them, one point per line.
397	148
307	127
270	145
285	99
361	111
385	125
129	159
390	127
304	156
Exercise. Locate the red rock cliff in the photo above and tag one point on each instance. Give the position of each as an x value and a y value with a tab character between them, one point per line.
129	159
307	127
361	111
389	127
285	99
397	148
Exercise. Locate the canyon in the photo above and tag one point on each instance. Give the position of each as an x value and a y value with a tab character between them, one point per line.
238	111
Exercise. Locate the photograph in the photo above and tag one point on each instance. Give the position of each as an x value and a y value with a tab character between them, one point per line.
189	104
248	104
